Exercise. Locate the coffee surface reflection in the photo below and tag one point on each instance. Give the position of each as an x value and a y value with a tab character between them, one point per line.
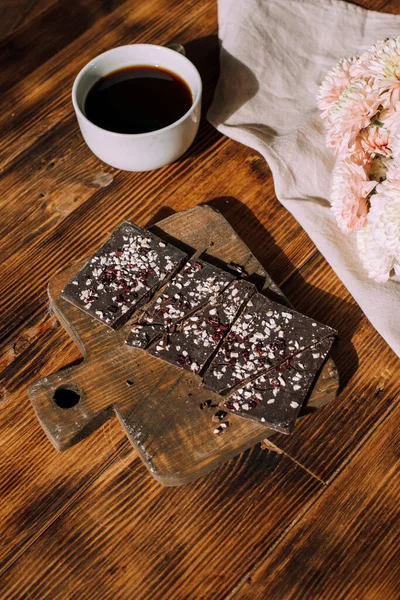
137	99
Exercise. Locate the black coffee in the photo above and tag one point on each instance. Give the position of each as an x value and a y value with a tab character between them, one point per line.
137	100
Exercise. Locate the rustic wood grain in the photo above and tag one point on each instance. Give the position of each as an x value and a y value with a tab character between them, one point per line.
41	37
57	202
33	490
347	544
128	537
13	15
157	404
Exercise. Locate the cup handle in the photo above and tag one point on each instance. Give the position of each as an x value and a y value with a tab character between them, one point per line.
177	47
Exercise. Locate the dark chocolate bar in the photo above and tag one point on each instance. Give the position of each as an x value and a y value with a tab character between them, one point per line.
276	397
264	335
193	287
196	339
123	274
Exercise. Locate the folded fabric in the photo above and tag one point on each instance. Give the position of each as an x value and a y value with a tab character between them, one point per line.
274	55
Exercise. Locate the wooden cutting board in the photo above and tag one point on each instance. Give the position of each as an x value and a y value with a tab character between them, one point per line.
158	405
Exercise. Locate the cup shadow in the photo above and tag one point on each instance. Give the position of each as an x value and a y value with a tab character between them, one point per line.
206	53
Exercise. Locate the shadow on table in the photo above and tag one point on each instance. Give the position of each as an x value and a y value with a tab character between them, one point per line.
343	316
205	53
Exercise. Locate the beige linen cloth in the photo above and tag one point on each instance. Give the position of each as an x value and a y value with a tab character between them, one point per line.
274	55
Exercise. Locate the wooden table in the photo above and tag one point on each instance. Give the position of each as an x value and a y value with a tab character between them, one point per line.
319	520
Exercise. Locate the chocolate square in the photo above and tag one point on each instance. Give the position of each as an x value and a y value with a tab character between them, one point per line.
196	339
276	397
197	283
123	274
265	334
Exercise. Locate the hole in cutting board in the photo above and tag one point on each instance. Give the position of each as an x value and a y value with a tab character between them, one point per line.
66	398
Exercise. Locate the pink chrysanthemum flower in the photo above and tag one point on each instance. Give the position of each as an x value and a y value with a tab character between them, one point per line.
379	242
389	117
350	189
334	84
354	110
360	103
375	140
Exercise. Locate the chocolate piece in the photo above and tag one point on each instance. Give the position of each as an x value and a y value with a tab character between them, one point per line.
265	334
198	336
192	288
123	274
275	398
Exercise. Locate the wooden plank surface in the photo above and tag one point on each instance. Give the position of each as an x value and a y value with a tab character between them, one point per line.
350	550
64	518
128	537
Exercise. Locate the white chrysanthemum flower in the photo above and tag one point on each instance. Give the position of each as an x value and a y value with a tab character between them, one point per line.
385	68
395	144
377	264
334	84
393	173
354	110
363	67
379	242
390	119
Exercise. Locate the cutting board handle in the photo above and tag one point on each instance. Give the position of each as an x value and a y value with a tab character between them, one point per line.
60	403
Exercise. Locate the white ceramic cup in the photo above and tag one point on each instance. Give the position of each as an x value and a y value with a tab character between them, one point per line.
141	151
